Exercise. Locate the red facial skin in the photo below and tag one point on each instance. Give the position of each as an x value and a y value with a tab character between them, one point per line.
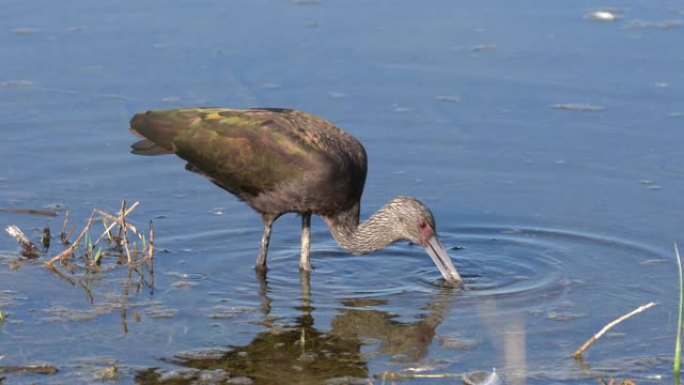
425	232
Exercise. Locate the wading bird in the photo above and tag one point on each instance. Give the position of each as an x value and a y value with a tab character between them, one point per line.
285	161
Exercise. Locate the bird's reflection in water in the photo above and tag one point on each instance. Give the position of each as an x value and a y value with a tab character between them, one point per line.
302	354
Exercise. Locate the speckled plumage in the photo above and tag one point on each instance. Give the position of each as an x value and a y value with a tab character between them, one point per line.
280	161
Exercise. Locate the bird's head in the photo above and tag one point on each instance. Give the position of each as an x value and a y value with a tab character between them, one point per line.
417	225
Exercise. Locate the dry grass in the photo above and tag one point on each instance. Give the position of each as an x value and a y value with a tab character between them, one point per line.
108	241
578	353
119	238
118	243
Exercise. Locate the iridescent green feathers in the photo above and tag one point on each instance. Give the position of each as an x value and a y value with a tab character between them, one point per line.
264	156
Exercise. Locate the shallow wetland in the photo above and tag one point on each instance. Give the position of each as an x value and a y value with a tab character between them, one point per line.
545	137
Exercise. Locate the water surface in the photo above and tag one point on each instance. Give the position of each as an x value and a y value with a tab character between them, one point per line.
547	145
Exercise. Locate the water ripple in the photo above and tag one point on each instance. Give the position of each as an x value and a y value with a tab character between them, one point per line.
504	260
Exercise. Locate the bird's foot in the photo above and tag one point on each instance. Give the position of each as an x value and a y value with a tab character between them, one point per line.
261	269
305	266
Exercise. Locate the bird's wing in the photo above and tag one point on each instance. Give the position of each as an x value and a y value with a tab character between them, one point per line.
247	152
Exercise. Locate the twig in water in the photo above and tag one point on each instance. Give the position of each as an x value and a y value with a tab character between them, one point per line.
28	249
118	220
61	276
150	246
69	250
115	221
63	236
84	270
125	231
150	257
578	353
678	342
105	224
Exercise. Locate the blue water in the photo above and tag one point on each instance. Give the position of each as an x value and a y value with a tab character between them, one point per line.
566	217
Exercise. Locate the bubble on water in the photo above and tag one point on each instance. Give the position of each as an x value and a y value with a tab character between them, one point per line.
601	15
336	95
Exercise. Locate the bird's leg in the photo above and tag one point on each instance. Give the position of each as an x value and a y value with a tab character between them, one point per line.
265	238
305	284
306	319
304	261
263	293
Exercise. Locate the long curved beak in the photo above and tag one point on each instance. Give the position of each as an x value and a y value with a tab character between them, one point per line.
436	251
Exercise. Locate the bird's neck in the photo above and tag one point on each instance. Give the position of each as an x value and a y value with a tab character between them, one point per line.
373	234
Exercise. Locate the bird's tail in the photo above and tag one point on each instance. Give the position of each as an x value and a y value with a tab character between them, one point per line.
159	129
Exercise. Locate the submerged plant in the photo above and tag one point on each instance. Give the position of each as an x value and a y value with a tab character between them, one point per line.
98	256
92	251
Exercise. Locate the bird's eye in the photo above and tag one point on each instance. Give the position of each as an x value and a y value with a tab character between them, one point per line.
422	225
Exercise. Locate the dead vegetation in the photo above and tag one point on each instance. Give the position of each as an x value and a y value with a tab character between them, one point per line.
107	241
119	238
28	248
578	353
